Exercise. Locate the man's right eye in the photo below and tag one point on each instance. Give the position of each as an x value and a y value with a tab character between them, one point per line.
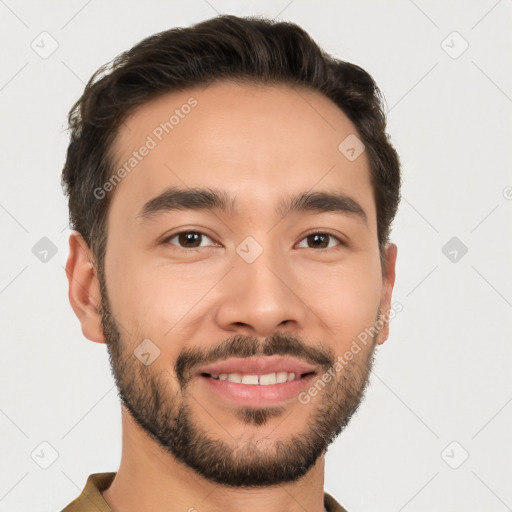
187	239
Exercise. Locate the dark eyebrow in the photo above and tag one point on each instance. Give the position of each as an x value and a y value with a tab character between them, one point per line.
209	199
322	202
175	198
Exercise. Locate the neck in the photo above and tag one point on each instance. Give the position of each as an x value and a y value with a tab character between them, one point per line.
151	479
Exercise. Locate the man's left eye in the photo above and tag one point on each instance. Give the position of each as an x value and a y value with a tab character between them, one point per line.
321	240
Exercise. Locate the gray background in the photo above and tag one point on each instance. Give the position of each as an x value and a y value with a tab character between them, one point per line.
434	430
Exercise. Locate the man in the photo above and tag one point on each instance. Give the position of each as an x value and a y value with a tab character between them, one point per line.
231	189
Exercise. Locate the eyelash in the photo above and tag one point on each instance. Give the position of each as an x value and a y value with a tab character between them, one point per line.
169	238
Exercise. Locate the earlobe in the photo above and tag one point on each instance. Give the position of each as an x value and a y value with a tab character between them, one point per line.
388	282
84	289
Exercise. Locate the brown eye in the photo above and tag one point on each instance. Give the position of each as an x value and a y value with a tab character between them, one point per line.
188	239
321	241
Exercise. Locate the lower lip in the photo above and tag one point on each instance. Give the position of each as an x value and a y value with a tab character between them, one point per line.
256	394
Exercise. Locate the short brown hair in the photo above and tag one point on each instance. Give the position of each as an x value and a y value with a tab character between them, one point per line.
226	47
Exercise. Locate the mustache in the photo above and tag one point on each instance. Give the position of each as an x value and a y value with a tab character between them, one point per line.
283	344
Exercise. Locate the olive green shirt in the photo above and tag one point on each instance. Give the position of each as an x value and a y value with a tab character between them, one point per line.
91	499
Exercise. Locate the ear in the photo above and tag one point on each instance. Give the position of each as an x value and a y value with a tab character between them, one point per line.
84	288
388	282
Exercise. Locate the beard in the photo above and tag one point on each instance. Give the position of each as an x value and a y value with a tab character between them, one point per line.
165	414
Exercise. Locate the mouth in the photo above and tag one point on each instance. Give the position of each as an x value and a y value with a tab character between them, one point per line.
267	379
257	381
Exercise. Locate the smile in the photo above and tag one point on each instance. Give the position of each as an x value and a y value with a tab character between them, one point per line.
252	390
262	380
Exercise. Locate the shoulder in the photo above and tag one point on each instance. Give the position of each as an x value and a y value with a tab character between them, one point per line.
90	499
331	505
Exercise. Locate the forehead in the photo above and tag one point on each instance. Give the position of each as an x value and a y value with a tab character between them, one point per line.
253	141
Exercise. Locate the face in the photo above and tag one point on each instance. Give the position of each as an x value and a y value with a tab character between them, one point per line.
242	262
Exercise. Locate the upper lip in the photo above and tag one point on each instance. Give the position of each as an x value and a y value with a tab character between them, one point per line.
260	365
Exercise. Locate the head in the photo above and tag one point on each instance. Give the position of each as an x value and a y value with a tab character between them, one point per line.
231	188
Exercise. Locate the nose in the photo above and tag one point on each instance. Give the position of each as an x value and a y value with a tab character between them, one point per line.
261	297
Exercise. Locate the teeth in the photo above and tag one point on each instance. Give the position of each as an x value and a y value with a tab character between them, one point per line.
262	380
269	378
282	377
250	379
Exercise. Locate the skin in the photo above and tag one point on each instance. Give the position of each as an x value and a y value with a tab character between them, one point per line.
327	295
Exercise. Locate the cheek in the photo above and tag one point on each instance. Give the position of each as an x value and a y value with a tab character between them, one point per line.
153	299
348	300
